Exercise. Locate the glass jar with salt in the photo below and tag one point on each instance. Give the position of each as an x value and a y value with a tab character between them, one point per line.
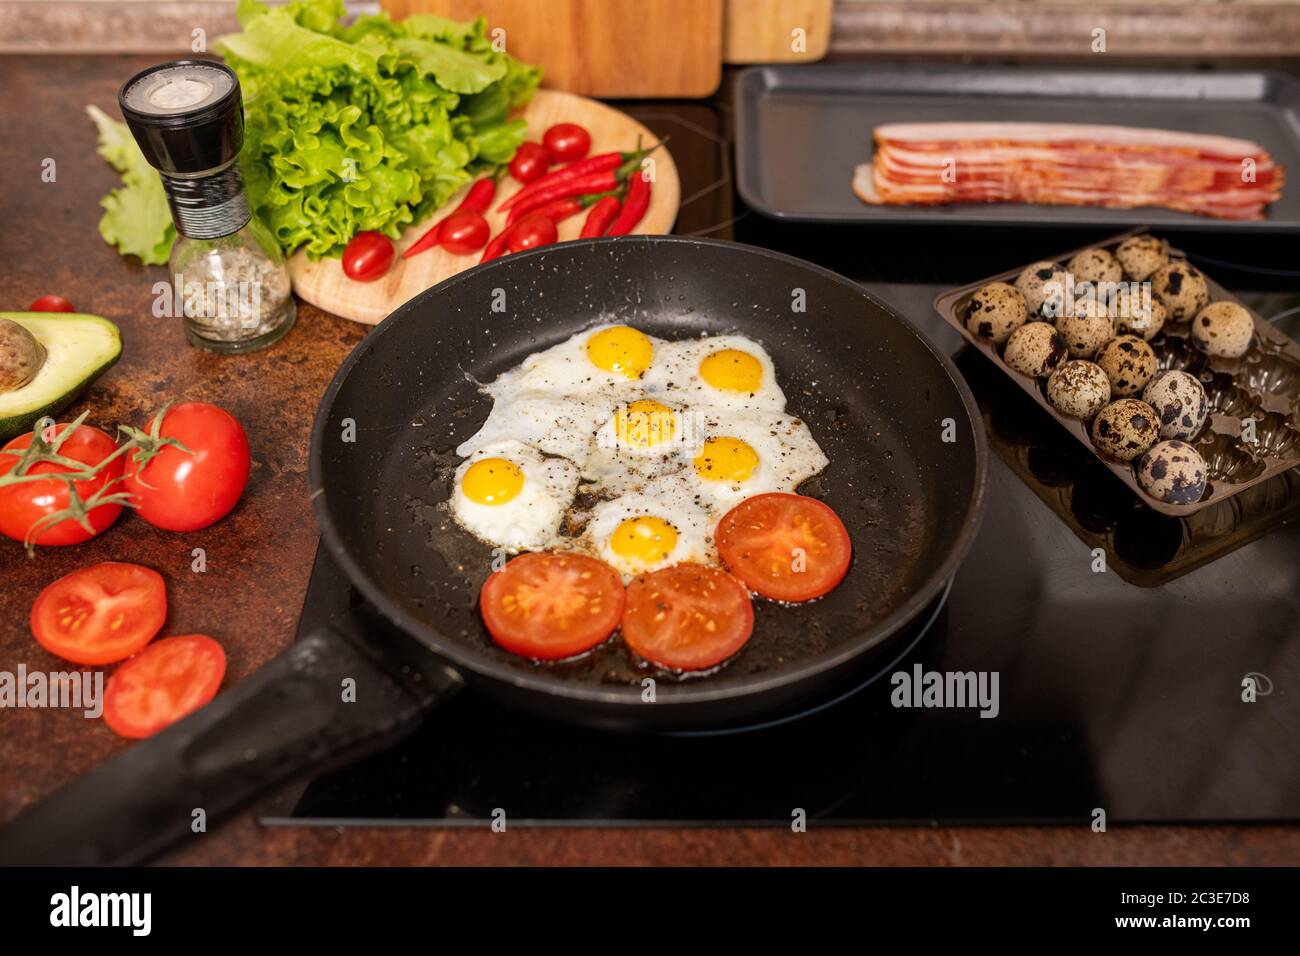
230	282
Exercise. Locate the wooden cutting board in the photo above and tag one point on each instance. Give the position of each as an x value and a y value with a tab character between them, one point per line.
776	31
612	48
323	284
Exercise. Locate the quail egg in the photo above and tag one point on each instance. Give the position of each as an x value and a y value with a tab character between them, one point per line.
1129	363
1223	329
1174	472
1181	287
1180	401
1043	282
1035	349
1078	389
1139	312
1095	265
1139	256
1125	429
1086	327
996	311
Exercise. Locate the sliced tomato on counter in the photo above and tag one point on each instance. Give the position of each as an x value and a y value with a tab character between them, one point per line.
101	614
549	606
169	680
688	617
785	546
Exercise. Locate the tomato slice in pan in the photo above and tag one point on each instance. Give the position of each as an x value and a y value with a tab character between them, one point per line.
688	617
787	547
549	606
167	681
100	614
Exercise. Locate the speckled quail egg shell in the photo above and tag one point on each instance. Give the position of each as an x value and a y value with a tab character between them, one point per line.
1035	349
1079	389
1180	402
1141	314
1125	429
1095	265
1174	472
1182	288
1129	363
1039	282
1086	328
1223	329
1139	256
995	312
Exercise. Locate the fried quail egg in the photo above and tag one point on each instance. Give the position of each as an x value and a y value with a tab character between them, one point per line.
1079	389
1140	256
727	371
1125	429
1086	328
741	456
1095	265
1035	349
1182	289
512	496
995	312
605	360
1139	312
651	529
1180	402
1174	472
1129	363
555	426
1223	329
1041	282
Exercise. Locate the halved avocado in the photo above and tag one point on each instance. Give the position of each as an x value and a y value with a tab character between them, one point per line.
78	349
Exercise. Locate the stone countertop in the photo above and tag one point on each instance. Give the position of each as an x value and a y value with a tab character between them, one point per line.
258	559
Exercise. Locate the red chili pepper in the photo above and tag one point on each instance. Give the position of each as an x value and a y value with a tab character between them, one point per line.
595	183
638	201
496	246
605	162
601	215
557	211
478	199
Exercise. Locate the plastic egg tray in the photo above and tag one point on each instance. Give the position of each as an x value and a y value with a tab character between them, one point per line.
1263	385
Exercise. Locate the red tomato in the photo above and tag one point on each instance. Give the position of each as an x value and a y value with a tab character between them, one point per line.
464	232
567	142
51	303
787	547
101	614
183	490
688	617
367	256
167	681
532	231
550	606
25	503
531	162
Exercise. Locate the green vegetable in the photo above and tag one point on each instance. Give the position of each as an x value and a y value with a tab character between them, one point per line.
136	219
78	348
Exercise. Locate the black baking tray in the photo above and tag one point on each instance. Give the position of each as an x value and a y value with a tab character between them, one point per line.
800	131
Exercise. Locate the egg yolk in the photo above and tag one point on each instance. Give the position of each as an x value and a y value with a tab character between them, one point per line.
492	481
620	349
645	423
646	539
732	370
726	459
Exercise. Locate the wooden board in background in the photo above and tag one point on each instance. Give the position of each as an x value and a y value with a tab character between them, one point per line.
761	31
323	284
611	48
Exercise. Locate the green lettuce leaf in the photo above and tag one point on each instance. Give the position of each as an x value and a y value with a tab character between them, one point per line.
136	219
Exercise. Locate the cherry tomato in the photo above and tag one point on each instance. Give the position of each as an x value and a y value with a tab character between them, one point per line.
169	680
787	547
51	303
567	142
367	256
550	606
25	503
464	232
101	614
688	617
532	231
183	490
531	162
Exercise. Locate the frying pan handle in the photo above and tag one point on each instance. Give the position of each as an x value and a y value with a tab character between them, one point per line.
296	714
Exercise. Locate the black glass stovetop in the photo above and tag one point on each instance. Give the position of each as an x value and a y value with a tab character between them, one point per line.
1111	695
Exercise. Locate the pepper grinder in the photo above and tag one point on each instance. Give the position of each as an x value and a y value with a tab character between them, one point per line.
228	272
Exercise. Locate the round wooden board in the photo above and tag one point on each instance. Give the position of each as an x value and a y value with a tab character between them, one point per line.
323	284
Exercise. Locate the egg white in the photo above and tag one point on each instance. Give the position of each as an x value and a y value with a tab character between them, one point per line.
528	521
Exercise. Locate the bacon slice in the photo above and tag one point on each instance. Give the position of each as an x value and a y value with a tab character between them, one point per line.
1068	164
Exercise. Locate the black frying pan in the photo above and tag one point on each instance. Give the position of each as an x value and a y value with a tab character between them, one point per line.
876	395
